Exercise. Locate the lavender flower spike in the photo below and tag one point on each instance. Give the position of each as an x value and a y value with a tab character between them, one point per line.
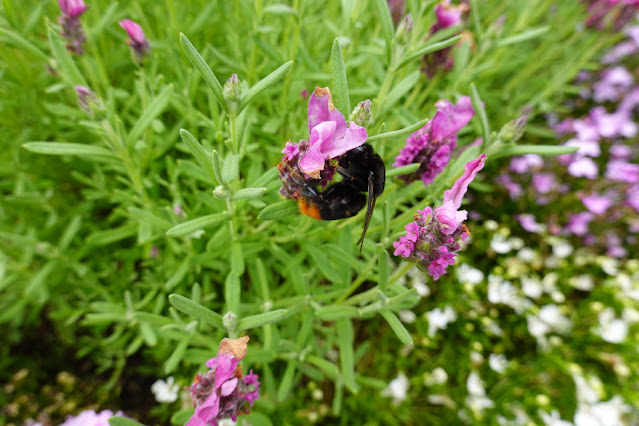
432	239
222	392
140	46
71	25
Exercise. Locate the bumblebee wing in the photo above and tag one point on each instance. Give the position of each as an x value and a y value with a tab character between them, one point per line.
369	210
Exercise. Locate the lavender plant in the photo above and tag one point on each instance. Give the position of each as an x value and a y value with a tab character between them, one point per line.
162	230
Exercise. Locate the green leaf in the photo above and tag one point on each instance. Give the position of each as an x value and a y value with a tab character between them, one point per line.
403	170
101	238
189	307
383	268
200	155
195	224
123	421
39	278
248	193
334	312
397	326
287	381
19	41
237	258
148	334
203	68
430	48
387	25
153	319
322	262
143	216
231	168
345	341
281	9
217	167
478	106
279	210
232	292
66	148
340	85
526	35
62	55
150	113
533	149
180	418
265	83
398	133
327	367
260	320
401	89
69	232
177	355
179	274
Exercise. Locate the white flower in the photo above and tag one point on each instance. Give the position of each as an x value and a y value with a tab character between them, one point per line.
516	243
439	319
407	316
226	422
502	291
531	287
554	419
527	254
498	362
439	376
165	391
500	244
491	225
468	274
611	329
476	399
397	388
610	266
607	413
562	249
582	282
551	315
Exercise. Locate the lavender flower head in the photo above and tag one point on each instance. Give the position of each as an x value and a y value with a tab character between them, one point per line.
446	15
432	145
71	25
91	418
432	239
222	392
140	46
311	160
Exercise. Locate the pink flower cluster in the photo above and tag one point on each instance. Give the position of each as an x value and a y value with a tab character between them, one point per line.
91	418
432	239
446	15
330	137
432	145
222	392
71	25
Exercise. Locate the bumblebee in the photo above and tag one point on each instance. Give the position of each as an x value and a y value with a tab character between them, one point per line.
362	171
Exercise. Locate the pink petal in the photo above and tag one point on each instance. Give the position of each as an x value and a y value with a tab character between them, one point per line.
456	193
209	409
312	162
228	387
318	107
226	365
353	137
133	30
450	118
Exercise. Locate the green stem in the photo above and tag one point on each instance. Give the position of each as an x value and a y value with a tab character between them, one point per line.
407	266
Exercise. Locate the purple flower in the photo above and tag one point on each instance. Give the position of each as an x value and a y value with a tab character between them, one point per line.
598	204
543	182
432	239
622	171
528	222
446	15
514	189
432	145
71	25
290	151
91	418
222	392
140	46
584	167
578	223
329	136
525	162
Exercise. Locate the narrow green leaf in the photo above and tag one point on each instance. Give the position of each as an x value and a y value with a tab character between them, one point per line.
248	193
101	238
278	210
200	155
281	9
265	83
533	149
69	232
383	268
144	216
231	168
39	278
340	85
195	224
526	35
287	381
62	55
260	320
403	170
401	89
237	258
217	167
196	310
178	275
66	148
148	334
387	25
153	319
177	355
322	262
397	133
203	68
232	293
430	48
327	367
478	106
345	341
397	326
21	42
334	312
182	417
150	113
123	421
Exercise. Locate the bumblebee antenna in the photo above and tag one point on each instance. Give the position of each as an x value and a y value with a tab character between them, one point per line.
369	210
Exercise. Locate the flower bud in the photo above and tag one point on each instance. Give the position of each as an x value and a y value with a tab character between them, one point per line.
404	30
513	130
232	92
220	192
229	321
362	113
88	101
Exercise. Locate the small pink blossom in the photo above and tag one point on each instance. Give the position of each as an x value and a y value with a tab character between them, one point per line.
140	46
598	204
91	418
72	8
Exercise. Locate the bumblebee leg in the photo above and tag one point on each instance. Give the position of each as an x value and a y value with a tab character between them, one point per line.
369	209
